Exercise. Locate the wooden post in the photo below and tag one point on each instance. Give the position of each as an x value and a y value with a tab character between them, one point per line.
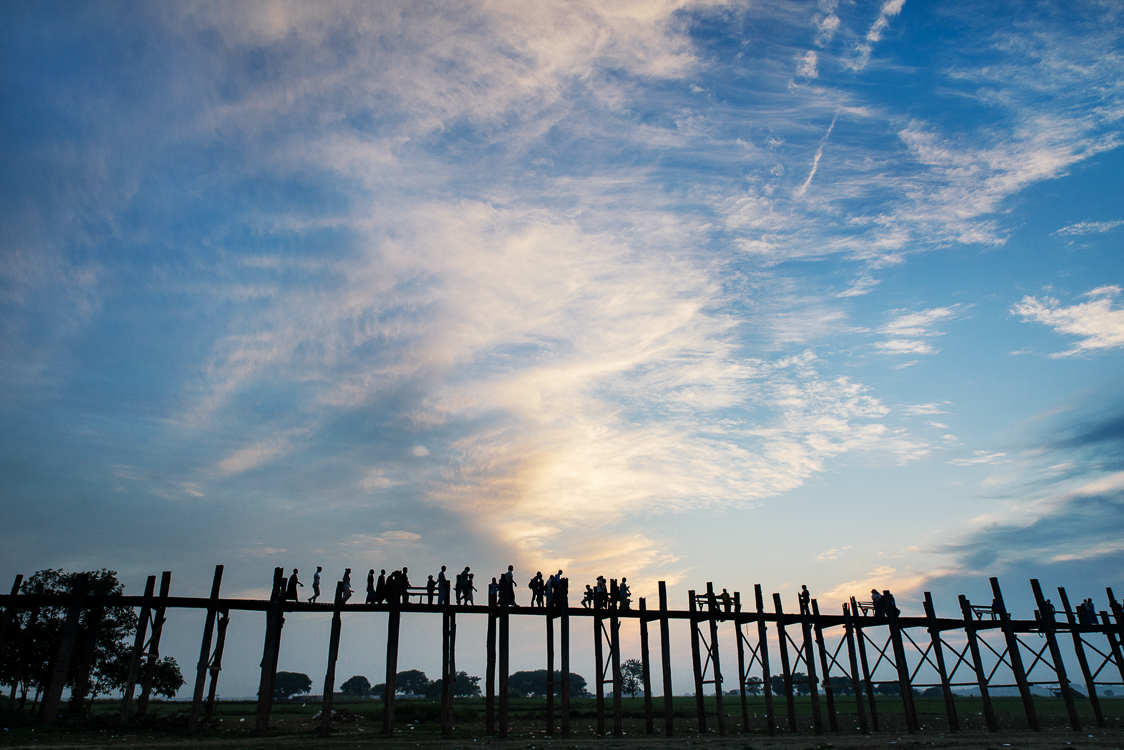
564	645
138	649
902	666
649	721
490	678
977	663
741	663
9	616
1082	661
782	637
825	667
333	655
274	621
53	697
1113	643
216	664
204	654
856	680
665	662
504	668
1014	655
1049	626
599	677
715	664
95	615
813	679
615	658
393	626
763	655
869	683
448	669
550	683
153	656
696	663
942	671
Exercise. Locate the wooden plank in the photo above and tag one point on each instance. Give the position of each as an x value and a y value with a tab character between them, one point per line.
856	680
825	666
696	664
763	655
202	667
1048	628
1014	655
715	661
53	696
564	645
645	665
782	637
977	664
741	663
599	675
333	656
1082	659
902	666
942	671
810	663
615	658
274	621
138	649
867	681
665	663
550	683
504	655
490	678
216	664
153	656
393	628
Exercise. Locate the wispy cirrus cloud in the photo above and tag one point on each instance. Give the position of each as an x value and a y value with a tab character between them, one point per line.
1088	227
1098	322
908	332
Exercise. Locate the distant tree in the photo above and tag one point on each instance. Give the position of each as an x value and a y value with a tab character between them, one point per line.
842	686
34	639
533	683
464	687
888	688
289	684
799	684
632	676
753	685
412	682
378	691
166	679
357	685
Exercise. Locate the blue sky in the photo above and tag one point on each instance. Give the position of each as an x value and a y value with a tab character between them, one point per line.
778	292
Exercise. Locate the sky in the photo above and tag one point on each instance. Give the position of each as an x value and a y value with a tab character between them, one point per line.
824	293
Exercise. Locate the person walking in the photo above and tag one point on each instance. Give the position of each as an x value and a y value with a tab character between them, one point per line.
371	586
347	591
468	589
380	587
315	585
291	592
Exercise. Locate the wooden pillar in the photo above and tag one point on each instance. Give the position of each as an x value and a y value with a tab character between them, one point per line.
53	697
615	658
782	637
216	664
825	668
393	627
551	685
977	664
902	666
505	634
1082	660
333	655
813	679
1014	655
867	681
741	662
1113	643
490	678
696	663
715	663
599	676
448	669
942	671
274	621
852	656
649	720
153	655
1049	627
95	616
763	655
138	649
564	645
9	615
665	662
204	654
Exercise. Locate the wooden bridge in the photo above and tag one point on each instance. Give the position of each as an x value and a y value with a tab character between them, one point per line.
983	648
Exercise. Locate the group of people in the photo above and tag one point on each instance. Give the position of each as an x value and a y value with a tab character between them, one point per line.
545	592
600	597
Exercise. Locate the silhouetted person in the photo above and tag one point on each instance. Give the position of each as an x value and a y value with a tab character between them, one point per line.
600	594
469	587
393	596
371	586
404	584
876	602
805	601
624	594
589	596
442	588
292	590
430	588
347	592
727	601
493	593
315	585
380	587
507	588
537	587
889	607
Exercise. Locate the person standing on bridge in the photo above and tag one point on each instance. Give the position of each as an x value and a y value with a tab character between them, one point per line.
442	588
347	591
380	587
468	589
805	601
291	593
315	585
371	586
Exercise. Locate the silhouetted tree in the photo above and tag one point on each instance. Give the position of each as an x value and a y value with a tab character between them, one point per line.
753	686
289	684
632	676
411	682
357	685
533	683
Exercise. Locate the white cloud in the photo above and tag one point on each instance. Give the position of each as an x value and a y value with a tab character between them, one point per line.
978	457
420	451
1098	322
806	65
376	479
1089	227
906	332
889	9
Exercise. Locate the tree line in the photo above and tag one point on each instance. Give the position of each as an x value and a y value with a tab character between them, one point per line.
413	683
